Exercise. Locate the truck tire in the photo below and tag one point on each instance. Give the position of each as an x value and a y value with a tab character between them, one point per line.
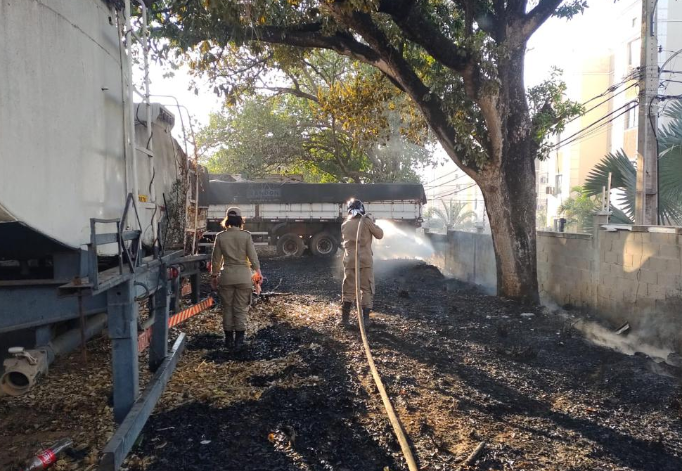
323	244
290	245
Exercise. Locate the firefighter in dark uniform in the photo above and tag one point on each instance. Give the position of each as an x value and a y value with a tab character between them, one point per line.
234	256
349	233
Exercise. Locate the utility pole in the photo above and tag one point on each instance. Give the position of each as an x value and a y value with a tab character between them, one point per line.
646	203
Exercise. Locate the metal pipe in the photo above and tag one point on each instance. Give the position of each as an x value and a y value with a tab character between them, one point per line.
68	342
131	102
27	366
147	99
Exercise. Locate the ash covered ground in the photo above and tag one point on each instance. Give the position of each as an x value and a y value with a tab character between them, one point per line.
462	368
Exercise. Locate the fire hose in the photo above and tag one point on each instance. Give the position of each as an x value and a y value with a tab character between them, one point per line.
395	422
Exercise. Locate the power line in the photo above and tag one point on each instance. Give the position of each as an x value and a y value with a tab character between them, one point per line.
454	192
449	181
442	176
571	137
603	102
633	75
593	132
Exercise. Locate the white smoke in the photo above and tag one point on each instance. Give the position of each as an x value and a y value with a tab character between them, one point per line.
399	243
628	342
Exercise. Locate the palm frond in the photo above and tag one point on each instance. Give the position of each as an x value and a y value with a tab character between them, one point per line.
623	177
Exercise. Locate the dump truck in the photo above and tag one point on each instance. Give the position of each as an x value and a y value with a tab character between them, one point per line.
295	217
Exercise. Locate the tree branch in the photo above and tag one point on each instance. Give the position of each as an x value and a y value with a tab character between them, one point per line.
397	68
419	29
311	35
537	16
291	91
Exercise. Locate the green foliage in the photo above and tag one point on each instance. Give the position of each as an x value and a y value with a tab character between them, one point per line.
579	209
624	174
243	45
460	64
287	134
550	109
571	9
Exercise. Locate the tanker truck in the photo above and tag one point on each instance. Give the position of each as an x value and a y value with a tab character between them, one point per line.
297	216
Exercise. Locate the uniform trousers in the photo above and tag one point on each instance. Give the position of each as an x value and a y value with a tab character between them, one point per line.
236	300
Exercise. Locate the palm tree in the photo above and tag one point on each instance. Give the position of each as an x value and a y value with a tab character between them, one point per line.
453	215
579	209
624	174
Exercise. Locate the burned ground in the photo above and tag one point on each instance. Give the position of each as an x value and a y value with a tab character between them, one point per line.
461	367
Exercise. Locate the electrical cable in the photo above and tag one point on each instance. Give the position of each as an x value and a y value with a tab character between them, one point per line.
454	192
393	418
593	132
633	75
442	176
447	182
569	138
603	102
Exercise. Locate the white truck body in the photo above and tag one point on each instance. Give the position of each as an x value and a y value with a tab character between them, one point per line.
282	213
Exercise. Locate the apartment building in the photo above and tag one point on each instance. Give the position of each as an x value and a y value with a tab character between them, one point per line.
602	74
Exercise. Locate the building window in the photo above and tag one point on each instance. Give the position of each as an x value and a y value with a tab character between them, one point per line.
634	22
634	49
631	118
558	181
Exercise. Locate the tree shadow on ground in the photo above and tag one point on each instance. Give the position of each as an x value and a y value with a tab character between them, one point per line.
253	435
503	402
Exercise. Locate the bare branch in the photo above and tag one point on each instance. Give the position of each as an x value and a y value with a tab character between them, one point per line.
291	91
537	16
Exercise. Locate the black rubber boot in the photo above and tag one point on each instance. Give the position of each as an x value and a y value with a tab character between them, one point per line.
345	314
239	339
365	316
229	339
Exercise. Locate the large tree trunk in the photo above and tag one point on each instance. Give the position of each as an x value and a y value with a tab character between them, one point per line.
510	194
508	186
510	203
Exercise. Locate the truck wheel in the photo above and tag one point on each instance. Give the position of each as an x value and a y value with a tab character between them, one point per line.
290	245
323	244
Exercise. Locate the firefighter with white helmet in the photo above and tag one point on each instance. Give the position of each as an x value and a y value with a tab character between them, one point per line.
234	256
349	233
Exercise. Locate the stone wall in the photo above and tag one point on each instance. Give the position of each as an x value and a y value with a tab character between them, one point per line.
624	274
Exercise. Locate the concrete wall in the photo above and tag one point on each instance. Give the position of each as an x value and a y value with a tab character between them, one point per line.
624	274
467	256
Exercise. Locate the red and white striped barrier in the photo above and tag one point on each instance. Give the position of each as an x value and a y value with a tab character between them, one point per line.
145	337
189	312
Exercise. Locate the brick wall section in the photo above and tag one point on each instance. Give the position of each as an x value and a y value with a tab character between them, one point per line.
565	264
625	273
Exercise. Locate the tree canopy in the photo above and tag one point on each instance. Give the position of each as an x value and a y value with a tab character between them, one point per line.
334	122
460	63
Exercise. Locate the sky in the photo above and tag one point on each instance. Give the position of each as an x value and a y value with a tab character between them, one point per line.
555	43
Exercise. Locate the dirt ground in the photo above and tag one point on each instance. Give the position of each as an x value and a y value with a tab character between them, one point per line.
461	368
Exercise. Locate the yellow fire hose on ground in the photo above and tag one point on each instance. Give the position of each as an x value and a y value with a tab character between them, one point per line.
397	427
